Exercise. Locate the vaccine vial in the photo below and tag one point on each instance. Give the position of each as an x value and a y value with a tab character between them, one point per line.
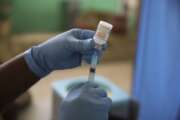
102	33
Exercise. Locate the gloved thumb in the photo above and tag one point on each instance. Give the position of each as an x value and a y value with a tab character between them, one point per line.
82	45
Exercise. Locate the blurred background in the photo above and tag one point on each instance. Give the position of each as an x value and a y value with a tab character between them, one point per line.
24	23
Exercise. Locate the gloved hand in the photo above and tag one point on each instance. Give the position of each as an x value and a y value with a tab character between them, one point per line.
63	51
88	102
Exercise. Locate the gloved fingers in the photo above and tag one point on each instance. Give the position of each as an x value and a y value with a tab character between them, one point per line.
85	34
82	33
68	63
84	88
81	45
99	92
107	101
89	85
94	89
77	86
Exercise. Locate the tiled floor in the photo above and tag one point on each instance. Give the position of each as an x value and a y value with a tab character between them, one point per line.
119	73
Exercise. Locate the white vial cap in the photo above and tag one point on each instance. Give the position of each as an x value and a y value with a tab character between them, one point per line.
102	33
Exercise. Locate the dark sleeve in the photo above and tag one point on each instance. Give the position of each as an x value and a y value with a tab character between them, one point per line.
15	78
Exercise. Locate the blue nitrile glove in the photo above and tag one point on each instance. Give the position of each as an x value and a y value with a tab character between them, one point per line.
63	51
87	102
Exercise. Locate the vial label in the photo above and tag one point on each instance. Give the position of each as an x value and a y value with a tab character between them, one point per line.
102	32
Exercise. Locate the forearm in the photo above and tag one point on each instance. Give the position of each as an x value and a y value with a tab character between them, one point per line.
15	78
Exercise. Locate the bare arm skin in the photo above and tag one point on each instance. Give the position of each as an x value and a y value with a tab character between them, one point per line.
15	78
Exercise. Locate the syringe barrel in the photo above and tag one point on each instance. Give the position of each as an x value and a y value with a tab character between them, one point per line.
101	37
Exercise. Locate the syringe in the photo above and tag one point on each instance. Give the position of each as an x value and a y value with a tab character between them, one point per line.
101	37
92	70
